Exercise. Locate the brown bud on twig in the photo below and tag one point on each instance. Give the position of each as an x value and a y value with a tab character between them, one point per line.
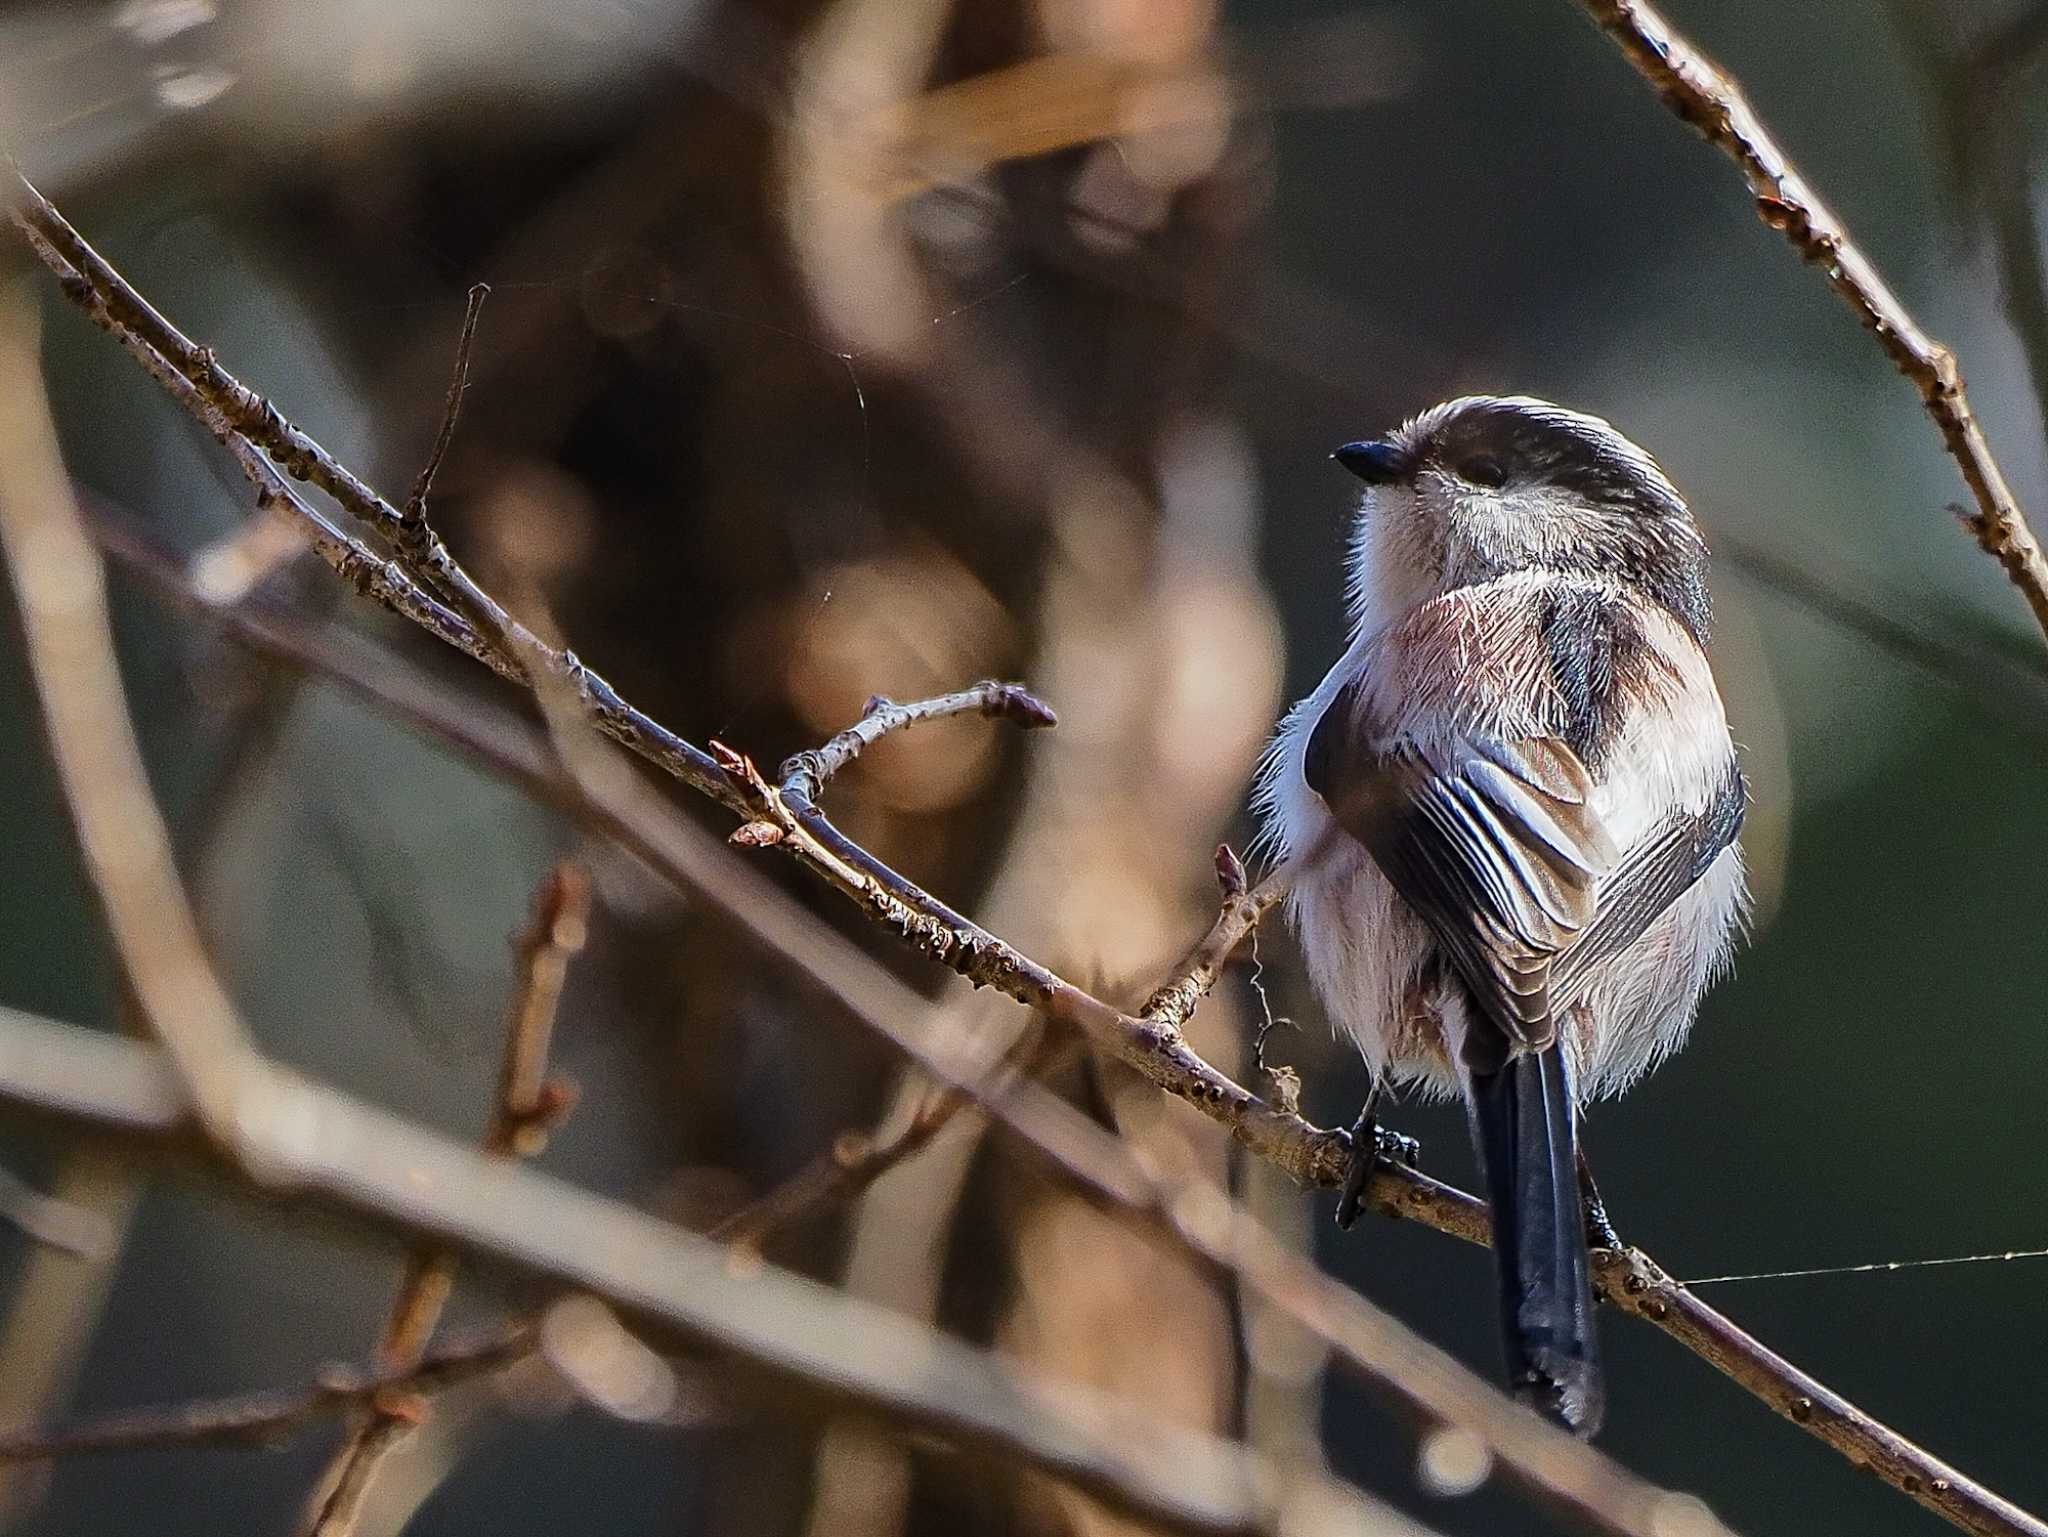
1022	708
1230	874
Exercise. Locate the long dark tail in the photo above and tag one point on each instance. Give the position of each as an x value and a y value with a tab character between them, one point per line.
1522	1123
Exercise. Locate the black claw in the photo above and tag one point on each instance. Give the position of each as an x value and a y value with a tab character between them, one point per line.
1371	1144
1396	1148
1600	1233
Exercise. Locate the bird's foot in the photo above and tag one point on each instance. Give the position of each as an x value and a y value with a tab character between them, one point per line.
1600	1233
1371	1142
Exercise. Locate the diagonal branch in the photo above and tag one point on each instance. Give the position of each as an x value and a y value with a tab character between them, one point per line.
60	592
1702	94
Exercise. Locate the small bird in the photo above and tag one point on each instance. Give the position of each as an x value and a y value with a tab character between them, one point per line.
1511	811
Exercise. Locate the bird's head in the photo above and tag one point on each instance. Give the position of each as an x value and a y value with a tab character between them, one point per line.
1486	485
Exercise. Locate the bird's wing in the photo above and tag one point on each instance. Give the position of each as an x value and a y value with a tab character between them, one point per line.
1495	845
1656	871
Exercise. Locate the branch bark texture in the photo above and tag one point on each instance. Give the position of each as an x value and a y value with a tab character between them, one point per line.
1705	96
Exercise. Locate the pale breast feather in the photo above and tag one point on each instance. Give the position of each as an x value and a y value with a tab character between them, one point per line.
1492	834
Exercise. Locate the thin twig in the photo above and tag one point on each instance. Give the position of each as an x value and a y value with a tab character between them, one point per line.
266	1418
856	1159
1702	94
526	1105
414	512
998	701
508	747
1569	1473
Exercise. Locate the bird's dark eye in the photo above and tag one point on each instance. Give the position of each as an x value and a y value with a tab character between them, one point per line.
1484	470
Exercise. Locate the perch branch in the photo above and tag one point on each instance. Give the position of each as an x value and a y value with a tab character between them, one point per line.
1155	1048
526	1106
1702	94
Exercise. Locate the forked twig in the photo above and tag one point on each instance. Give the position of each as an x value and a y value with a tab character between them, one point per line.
262	1419
527	1104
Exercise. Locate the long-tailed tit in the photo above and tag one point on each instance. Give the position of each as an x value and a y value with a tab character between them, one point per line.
1511	808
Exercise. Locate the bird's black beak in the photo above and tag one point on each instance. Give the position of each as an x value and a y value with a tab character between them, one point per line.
1376	463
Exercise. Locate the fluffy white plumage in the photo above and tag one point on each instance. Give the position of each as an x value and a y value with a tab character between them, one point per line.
1437	653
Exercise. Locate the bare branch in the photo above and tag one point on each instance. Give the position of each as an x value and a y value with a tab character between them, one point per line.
525	1107
808	771
201	385
1631	1280
1702	94
262	1419
415	510
60	590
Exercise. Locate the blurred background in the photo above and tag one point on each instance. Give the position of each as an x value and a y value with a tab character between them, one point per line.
882	345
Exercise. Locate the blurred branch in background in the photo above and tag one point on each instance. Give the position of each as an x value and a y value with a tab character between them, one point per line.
1193	1214
266	1419
313	1142
2006	675
60	590
528	1104
1704	95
